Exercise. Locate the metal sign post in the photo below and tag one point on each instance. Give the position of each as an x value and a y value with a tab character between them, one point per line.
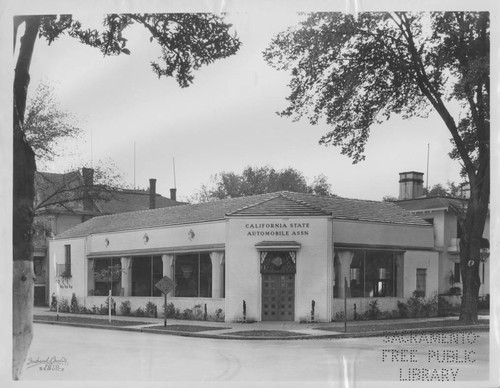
165	311
165	285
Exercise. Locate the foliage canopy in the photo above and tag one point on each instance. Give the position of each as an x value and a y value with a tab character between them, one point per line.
260	180
356	72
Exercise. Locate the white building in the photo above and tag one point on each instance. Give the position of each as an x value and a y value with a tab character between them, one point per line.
442	214
277	252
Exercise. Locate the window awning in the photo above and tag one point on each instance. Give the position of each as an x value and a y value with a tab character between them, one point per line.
278	245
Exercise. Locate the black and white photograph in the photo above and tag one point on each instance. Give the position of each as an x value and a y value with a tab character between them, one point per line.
249	193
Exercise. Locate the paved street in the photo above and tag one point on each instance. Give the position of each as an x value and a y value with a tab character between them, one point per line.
66	353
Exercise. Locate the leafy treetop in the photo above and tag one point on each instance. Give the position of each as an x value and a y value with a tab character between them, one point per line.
260	180
188	41
356	72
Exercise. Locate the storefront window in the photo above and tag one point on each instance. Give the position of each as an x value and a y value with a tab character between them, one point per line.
193	275
146	272
373	274
107	276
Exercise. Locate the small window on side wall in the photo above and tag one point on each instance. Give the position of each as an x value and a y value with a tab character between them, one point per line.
421	282
456	273
67	261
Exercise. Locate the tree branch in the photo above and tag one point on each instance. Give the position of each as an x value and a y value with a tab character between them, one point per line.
431	93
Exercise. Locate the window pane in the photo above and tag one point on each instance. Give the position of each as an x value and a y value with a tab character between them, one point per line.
205	275
357	278
157	274
67	260
379	274
186	275
457	273
38	267
141	276
107	276
421	281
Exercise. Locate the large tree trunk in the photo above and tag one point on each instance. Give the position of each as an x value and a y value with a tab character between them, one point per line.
23	277
470	248
23	199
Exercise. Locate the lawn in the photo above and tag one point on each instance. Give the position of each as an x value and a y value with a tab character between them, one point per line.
88	321
186	328
267	333
354	327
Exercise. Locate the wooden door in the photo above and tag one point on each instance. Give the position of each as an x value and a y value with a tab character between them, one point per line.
278	297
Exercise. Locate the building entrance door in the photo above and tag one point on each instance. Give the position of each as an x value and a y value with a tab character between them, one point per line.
278	297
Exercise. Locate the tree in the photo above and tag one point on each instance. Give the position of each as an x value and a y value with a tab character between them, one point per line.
438	190
112	274
74	189
260	180
46	124
356	72
187	41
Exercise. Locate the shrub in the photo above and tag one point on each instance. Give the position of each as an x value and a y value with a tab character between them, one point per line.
430	305
104	310
219	315
74	304
139	312
125	308
53	303
339	316
150	309
421	307
373	311
187	314
402	309
63	305
197	313
415	303
172	312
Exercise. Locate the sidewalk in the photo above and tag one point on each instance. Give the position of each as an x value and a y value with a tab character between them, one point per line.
258	330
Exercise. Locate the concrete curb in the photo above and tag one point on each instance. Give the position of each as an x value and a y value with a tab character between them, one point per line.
235	336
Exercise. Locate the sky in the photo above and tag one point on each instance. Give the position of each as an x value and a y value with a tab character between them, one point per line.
226	120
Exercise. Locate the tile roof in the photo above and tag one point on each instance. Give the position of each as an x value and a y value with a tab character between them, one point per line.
430	203
131	200
273	204
280	206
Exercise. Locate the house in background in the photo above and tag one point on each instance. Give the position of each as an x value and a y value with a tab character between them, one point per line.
68	199
441	212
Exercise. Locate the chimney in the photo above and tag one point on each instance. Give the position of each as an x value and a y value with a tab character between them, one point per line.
173	194
152	193
411	185
88	182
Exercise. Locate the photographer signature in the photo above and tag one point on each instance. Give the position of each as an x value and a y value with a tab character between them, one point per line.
52	363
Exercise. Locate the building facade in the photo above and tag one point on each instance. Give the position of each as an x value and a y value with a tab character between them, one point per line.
442	214
278	254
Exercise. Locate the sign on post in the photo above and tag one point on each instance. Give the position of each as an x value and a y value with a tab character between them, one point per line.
165	285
